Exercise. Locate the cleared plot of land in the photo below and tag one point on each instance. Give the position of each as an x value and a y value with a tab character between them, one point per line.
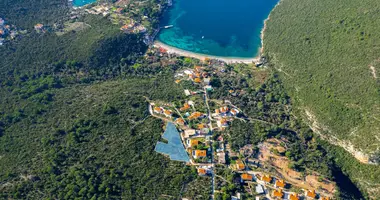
75	26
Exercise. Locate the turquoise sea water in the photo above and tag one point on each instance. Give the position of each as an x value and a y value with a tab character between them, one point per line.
228	28
79	3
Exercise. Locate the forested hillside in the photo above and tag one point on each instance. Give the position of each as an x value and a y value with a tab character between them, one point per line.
327	53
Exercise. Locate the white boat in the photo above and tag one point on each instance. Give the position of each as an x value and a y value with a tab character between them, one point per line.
169	26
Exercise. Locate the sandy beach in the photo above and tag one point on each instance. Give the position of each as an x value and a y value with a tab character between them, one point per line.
174	50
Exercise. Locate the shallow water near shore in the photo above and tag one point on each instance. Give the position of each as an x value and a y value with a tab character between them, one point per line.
216	27
79	3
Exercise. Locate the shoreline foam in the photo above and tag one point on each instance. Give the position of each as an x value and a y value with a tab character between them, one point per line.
181	52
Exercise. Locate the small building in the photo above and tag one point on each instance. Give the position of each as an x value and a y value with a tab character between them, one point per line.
208	88
259	189
234	111
223	123
239	165
325	198
177	81
185	107
279	184
278	194
293	197
310	194
195	115
202	171
192	142
207	81
197	80
158	110
168	113
187	92
199	153
38	27
246	177
266	178
189	132
180	121
221	157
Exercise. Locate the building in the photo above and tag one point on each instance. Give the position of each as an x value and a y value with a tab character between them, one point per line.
221	157
266	178
259	189
187	92
168	113
202	171
246	177
195	115
180	121
177	81
234	111
192	142
278	194
293	197
310	194
279	184
325	198
239	165
186	106
199	153
197	80
158	110
223	123
208	88
189	132
38	27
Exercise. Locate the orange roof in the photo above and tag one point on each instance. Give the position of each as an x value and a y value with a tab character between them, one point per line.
217	111
177	81
246	177
168	112
278	193
158	109
198	75
197	80
1	32
325	198
194	143
202	171
185	107
311	194
38	26
280	183
266	178
230	91
200	126
195	115
200	153
180	121
197	68
240	165
223	121
293	197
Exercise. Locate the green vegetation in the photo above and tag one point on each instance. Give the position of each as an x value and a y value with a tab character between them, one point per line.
326	53
328	57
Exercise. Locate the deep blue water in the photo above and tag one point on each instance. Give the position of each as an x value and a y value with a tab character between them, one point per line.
231	28
79	3
174	148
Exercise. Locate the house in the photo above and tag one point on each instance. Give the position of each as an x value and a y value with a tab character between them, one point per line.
239	165
195	115
266	178
310	194
158	110
201	126
192	142
224	109
221	157
234	111
202	171
325	198
2	32
293	197
259	189
217	111
188	72
186	106
177	81
278	194
180	121
246	177
189	132
199	153
187	92
279	184
223	123
204	131
197	80
168	113
38	27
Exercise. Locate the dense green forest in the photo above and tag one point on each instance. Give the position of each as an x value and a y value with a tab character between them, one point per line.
327	55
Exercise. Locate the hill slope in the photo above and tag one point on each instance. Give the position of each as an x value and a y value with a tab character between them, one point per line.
329	53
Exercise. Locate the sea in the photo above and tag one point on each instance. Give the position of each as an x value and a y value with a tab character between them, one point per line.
78	3
226	28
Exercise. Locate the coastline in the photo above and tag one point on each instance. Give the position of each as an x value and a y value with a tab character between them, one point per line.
229	60
181	52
